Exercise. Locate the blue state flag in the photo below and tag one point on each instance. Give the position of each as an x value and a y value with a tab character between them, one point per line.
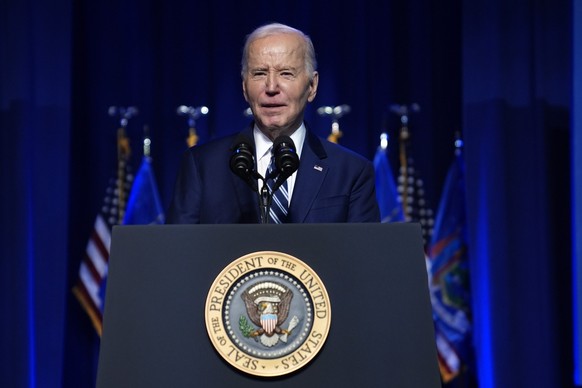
144	206
386	192
448	269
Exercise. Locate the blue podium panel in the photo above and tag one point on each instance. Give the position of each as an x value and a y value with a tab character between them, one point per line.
155	333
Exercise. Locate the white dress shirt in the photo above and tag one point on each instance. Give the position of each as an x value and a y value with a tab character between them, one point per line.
263	147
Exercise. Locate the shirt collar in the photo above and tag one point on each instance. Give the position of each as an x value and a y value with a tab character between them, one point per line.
263	144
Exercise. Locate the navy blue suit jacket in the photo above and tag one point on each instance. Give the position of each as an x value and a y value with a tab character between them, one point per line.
333	184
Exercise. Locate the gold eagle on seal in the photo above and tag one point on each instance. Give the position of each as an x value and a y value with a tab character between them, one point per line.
267	305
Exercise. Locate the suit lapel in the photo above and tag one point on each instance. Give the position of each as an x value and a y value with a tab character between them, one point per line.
247	200
312	171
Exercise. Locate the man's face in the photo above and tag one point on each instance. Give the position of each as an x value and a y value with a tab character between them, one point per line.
276	85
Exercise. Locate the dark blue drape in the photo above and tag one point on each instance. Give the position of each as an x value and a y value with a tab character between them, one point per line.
498	72
35	97
516	94
576	174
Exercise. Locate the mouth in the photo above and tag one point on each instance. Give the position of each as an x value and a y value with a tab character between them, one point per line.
272	106
272	109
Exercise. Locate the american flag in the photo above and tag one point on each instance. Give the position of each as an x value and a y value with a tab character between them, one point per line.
90	286
410	186
411	194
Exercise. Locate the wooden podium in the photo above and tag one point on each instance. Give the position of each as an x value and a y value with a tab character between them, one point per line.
381	331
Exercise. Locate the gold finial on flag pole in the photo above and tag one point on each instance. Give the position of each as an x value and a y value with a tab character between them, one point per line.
123	149
335	112
192	138
193	114
123	153
403	112
335	133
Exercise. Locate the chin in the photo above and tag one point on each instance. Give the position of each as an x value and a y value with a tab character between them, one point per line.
273	125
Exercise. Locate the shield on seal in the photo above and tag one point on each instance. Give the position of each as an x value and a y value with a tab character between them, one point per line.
269	322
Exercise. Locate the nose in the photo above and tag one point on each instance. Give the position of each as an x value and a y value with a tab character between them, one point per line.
271	82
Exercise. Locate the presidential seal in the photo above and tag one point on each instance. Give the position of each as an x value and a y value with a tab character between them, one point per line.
268	314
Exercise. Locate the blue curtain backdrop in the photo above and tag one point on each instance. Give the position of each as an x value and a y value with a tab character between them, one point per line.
500	72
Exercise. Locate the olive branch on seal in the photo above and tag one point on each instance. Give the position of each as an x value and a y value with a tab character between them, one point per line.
244	326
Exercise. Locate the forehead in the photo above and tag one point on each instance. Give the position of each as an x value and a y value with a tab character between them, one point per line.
288	48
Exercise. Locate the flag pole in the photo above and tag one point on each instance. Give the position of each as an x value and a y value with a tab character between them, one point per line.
147	142
335	132
91	282
123	153
384	141
458	143
404	137
403	112
143	204
386	189
192	114
335	112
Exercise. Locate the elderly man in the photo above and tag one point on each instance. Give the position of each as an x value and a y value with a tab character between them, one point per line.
332	183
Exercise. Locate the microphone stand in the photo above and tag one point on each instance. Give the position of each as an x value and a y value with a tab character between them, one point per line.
266	195
265	198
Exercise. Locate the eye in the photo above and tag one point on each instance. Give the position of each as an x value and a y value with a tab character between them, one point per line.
287	74
258	73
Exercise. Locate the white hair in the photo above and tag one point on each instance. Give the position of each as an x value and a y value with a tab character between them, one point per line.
274	29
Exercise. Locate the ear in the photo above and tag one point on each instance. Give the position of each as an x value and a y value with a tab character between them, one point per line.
313	86
244	88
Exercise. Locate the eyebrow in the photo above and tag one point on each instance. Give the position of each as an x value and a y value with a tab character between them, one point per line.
265	68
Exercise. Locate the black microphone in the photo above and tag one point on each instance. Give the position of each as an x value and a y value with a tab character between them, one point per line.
286	159
242	161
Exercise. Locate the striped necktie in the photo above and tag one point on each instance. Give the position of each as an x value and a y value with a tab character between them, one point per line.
280	203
